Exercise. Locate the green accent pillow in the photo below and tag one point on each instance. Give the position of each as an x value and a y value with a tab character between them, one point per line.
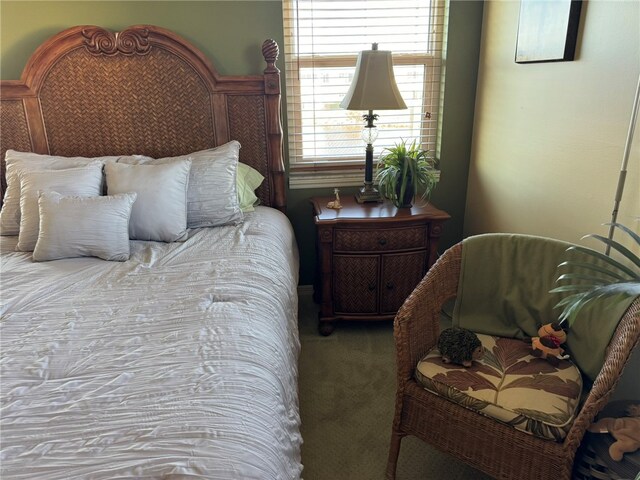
247	180
504	291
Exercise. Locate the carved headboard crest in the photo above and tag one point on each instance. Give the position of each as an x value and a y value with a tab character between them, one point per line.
91	92
128	42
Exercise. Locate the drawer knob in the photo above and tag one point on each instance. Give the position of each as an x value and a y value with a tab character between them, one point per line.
382	242
372	287
390	285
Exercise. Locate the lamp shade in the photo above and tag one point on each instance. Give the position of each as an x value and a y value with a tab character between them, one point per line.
374	85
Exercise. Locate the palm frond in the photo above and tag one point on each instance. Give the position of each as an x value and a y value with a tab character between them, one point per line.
634	236
586	279
571	288
610	262
618	247
609	293
593	267
608	280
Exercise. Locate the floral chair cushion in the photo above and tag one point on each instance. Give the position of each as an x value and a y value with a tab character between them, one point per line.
510	385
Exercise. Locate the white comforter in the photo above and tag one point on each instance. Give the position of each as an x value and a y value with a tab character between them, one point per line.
181	362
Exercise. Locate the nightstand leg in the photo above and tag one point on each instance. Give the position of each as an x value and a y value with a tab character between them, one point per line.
326	327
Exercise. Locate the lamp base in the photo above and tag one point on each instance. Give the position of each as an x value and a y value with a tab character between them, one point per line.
368	194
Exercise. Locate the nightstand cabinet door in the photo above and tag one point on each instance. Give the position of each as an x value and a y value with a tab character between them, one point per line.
355	284
400	274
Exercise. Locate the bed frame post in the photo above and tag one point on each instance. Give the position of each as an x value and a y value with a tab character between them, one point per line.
270	53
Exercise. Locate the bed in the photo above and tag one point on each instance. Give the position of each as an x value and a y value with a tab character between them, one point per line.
180	362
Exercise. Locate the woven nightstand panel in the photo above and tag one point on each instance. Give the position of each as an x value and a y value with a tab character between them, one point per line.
400	274
379	240
355	284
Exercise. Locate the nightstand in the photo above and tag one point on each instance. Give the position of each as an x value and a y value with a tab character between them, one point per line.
370	257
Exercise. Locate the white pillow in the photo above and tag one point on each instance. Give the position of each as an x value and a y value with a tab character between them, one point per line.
83	227
160	211
212	199
83	182
17	162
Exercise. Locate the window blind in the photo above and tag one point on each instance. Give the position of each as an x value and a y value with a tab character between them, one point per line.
322	42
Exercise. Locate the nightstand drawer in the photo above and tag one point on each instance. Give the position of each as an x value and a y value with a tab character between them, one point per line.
351	240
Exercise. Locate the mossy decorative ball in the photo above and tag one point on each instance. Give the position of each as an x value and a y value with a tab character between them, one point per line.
459	345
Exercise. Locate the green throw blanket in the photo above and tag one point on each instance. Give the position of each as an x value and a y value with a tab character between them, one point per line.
504	291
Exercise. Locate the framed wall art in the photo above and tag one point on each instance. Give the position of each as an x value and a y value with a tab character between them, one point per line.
547	30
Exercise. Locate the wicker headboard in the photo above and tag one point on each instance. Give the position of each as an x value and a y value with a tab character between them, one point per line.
91	92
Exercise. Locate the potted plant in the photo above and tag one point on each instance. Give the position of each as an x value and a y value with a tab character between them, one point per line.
403	171
606	277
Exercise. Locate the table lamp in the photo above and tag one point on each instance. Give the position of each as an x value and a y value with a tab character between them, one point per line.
373	88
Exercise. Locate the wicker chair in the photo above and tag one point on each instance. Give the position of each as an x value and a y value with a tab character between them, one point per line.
493	447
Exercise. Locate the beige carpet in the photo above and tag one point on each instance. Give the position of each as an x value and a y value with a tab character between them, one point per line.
347	389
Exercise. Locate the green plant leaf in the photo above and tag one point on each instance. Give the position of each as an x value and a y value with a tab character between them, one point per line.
634	236
571	288
606	259
618	247
570	299
590	279
609	280
612	293
620	288
591	266
401	161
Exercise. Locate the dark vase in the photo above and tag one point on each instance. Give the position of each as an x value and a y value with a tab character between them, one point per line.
409	193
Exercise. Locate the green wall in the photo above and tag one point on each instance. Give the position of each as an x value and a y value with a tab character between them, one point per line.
230	34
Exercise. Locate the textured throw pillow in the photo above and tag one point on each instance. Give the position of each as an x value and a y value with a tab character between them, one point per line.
84	227
83	182
248	180
160	211
17	162
212	198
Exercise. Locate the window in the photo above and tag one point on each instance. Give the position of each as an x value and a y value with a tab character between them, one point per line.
322	42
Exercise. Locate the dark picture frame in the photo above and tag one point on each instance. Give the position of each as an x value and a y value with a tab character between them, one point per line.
547	30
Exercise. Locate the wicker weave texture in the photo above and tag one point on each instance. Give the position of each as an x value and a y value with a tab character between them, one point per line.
355	288
401	272
154	104
349	240
490	446
247	125
14	132
495	448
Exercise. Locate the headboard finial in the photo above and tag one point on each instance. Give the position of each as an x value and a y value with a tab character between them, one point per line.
270	52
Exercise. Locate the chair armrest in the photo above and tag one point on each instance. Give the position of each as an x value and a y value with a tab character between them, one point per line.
622	343
417	323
